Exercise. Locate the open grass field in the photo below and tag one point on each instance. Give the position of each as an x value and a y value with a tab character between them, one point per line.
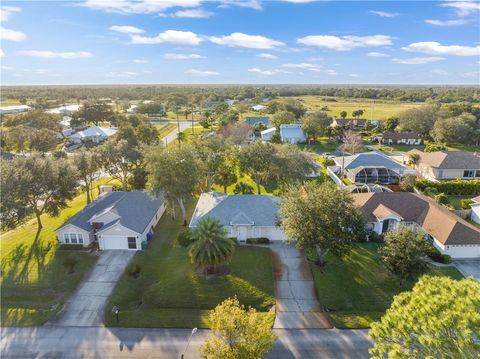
169	293
9	103
358	289
35	283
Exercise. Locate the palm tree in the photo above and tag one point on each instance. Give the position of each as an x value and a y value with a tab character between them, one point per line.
181	137
211	247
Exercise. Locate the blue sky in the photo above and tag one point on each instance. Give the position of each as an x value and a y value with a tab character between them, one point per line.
242	41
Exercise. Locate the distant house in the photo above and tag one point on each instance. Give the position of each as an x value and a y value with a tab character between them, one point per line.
94	134
292	133
475	209
258	107
400	138
132	109
14	109
254	120
371	167
444	165
243	216
229	102
66	127
451	235
116	220
266	135
352	123
66	110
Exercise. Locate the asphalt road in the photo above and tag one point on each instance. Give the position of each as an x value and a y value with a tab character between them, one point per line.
98	342
172	136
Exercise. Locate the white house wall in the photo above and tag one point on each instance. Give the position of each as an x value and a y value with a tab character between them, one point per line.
73	229
270	232
475	216
154	221
458	251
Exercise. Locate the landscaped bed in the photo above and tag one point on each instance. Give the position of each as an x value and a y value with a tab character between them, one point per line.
169	293
358	289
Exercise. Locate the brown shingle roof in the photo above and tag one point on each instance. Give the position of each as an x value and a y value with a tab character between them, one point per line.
395	136
438	221
449	159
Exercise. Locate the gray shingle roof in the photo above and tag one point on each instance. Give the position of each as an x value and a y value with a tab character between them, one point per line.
368	159
254	120
449	159
261	210
136	209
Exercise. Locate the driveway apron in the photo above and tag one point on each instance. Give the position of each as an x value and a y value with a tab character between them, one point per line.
297	306
87	304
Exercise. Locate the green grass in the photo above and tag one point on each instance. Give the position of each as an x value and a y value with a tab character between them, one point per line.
9	103
396	148
323	145
169	293
358	289
164	130
34	281
455	201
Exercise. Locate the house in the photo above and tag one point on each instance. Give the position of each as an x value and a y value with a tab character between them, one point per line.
371	167
475	216
116	220
66	110
66	127
266	135
94	134
254	120
450	234
243	216
352	123
292	133
446	165
14	109
400	138
258	107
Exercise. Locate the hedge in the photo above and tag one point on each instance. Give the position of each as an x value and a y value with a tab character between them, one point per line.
72	247
452	188
261	240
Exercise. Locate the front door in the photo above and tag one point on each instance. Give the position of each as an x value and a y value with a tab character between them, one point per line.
242	233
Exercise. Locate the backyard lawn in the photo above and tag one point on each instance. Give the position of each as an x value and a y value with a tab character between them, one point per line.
35	283
323	145
358	289
169	293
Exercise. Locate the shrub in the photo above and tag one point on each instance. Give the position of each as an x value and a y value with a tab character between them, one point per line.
434	254
328	162
374	237
407	183
70	262
446	258
434	147
233	239
185	237
71	247
311	254
465	203
442	198
430	191
260	240
243	188
133	270
456	187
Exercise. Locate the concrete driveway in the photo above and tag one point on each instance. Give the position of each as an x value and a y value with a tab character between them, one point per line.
297	306
468	267
86	306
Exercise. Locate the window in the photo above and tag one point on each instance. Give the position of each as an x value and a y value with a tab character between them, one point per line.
80	238
477	174
66	238
132	243
468	173
73	238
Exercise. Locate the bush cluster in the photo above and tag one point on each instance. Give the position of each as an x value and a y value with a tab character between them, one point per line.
71	247
454	187
185	237
260	240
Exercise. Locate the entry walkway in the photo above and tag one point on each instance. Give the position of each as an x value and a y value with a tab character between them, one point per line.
297	305
86	306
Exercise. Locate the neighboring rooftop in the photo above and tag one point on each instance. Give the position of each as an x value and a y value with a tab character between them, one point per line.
293	130
95	131
449	159
396	136
6	109
438	221
65	109
258	210
254	120
367	159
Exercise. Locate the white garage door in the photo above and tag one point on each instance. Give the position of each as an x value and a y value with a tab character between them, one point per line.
115	242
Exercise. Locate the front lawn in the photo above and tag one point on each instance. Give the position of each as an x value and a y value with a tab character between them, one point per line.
358	289
169	293
34	281
323	145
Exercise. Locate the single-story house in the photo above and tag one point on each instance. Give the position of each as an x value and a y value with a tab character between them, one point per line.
447	165
400	138
371	167
254	120
258	107
292	133
267	134
14	109
475	216
352	123
450	234
95	134
66	110
243	216
116	220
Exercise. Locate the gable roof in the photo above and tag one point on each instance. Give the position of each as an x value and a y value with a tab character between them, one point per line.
395	136
449	159
292	130
368	159
258	210
135	210
254	120
95	131
438	221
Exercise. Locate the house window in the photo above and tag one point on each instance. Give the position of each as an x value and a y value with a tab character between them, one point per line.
132	243
80	238
477	174
73	238
469	173
66	238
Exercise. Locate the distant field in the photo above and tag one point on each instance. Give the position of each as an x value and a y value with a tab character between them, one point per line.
377	110
9	103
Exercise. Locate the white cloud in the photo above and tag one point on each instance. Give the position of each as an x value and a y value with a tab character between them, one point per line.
121	74
36	71
310	67
417	60
170	37
475	74
8	68
377	54
456	22
300	1
11	35
138	7
267	56
170	56
353	75
463	8
384	13
193	13
7	11
263	72
57	55
238	39
2	54
251	4
140	61
345	43
202	73
435	48
125	29
439	72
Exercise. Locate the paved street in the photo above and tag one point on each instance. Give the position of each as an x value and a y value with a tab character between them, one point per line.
297	306
468	267
98	342
172	136
86	306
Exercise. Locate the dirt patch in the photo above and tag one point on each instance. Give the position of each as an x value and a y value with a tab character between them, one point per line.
207	273
277	266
